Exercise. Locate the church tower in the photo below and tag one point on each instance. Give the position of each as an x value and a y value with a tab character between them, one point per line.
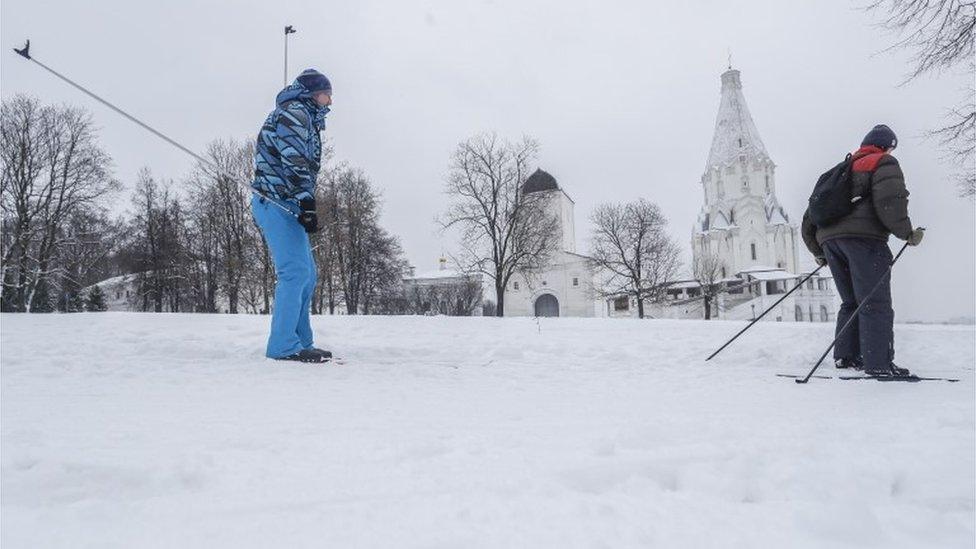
741	220
560	204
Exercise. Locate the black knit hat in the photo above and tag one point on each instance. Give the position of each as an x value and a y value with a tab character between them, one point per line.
881	136
314	81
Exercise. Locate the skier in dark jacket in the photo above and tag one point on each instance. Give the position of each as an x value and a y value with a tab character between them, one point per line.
856	249
287	158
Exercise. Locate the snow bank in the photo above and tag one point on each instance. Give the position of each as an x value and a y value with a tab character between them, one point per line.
143	430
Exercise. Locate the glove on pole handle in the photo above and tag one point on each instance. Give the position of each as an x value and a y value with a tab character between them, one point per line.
758	318
25	53
853	316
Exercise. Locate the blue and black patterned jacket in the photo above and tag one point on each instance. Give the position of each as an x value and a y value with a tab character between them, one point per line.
289	148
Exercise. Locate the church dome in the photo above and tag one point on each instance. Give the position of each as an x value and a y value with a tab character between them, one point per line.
539	181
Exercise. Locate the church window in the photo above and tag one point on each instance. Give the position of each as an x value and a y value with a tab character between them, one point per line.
575	282
752	248
543	282
767	182
823	313
621	304
799	313
740	141
515	286
812	318
732	215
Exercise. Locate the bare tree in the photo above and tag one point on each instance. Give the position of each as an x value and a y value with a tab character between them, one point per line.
503	230
202	268
156	237
362	261
467	296
328	291
52	168
21	147
355	215
707	269
631	246
223	205
384	268
940	35
87	242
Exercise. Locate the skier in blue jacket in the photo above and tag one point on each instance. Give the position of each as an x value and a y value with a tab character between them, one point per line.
287	159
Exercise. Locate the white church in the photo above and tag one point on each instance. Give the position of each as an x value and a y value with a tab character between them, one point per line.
742	223
565	288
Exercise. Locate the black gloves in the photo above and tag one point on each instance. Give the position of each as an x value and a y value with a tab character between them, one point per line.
308	218
821	260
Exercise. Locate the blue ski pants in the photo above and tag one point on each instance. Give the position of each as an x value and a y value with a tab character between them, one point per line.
291	251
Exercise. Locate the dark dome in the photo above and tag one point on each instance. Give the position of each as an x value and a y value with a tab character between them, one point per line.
539	181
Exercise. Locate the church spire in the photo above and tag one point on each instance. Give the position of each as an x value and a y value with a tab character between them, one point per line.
735	132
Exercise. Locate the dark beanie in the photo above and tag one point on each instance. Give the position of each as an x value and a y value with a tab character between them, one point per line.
314	81
881	136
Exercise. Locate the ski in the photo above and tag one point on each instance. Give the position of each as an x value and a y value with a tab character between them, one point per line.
906	379
794	376
910	378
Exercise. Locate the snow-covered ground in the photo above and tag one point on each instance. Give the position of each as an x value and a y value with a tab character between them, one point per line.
153	430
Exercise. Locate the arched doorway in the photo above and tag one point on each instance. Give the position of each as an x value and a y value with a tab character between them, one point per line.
547	305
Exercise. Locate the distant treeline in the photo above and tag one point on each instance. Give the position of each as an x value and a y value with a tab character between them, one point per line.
191	244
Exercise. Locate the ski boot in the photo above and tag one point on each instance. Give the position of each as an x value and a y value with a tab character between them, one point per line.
892	371
310	355
327	355
849	363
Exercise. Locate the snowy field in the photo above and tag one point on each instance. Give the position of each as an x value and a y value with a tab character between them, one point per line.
143	430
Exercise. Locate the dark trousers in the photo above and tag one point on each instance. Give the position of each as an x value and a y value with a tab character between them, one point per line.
858	264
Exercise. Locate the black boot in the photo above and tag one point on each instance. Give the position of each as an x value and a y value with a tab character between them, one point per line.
849	363
891	371
327	355
307	355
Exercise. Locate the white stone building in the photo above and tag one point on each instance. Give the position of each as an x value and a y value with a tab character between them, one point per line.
444	292
742	222
565	288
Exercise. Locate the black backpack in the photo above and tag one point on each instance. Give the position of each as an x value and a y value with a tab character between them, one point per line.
833	196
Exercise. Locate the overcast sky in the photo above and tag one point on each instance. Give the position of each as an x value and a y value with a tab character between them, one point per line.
622	96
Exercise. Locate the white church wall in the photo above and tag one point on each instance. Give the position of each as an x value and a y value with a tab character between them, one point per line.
569	279
567	211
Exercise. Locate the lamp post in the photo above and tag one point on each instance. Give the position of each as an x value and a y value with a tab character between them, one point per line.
288	30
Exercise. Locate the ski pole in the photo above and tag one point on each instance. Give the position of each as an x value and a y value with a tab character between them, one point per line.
758	318
25	53
853	316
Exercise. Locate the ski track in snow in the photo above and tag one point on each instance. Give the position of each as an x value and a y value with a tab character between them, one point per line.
164	430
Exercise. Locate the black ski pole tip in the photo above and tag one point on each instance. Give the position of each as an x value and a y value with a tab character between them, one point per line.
800	381
25	52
